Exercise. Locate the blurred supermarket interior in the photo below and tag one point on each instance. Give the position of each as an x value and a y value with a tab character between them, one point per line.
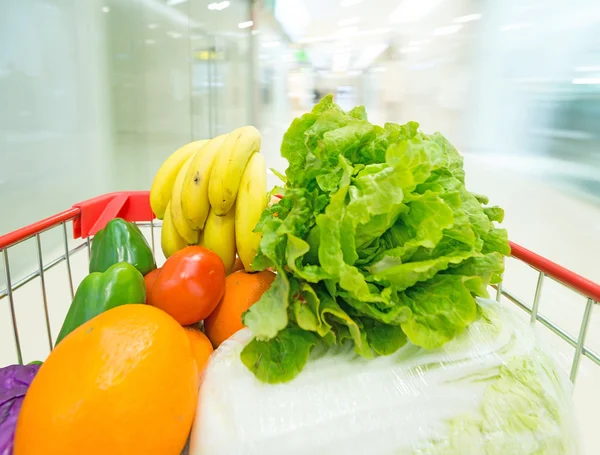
95	94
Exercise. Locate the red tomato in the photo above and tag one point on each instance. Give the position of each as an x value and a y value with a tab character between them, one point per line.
149	279
190	285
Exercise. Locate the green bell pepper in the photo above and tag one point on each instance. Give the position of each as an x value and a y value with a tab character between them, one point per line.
98	292
121	241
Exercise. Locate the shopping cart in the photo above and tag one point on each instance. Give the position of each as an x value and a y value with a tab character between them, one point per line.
90	216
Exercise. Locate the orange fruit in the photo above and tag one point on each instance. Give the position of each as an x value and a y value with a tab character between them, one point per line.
242	290
124	382
238	265
149	280
201	347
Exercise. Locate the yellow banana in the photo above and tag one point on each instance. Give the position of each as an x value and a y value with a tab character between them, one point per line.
251	201
219	236
229	166
170	241
160	192
194	197
183	226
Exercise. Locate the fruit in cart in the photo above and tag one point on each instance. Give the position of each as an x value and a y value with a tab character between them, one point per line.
194	196
181	223
170	240
237	265
229	166
208	182
125	382
190	284
99	292
149	282
162	186
251	201
201	347
14	382
242	290
121	241
219	236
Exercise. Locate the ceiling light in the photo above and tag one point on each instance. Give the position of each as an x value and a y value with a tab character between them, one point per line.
271	44
368	56
218	6
105	9
347	31
419	42
340	62
467	18
586	81
518	26
175	2
448	30
375	31
413	10
349	21
174	34
336	36
410	50
149	41
346	3
585	69
152	26
245	24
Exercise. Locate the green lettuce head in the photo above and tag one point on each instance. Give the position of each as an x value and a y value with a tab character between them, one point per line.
377	240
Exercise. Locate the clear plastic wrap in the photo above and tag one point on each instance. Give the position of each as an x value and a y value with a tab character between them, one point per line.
493	390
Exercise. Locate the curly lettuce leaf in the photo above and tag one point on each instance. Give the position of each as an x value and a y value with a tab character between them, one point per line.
441	309
268	316
281	358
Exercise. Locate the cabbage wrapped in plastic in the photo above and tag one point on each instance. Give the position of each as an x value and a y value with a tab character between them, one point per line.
493	390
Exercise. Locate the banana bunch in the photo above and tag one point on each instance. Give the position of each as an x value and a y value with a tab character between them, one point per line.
212	193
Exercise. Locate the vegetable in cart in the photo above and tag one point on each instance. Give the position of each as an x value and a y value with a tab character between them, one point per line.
120	284
121	241
377	240
492	390
14	382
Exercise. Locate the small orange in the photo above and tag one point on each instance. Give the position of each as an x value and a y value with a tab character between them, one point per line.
238	265
149	280
124	382
201	347
242	290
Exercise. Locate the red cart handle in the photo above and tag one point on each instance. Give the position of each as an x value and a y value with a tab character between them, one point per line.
90	216
95	213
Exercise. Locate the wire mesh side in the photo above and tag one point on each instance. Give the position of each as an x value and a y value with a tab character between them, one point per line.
578	343
19	328
43	283
11	302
